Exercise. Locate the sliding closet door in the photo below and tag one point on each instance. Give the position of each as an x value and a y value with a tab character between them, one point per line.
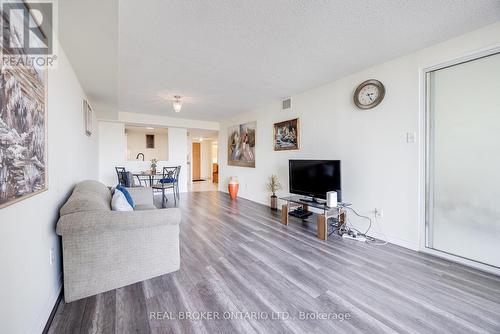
463	160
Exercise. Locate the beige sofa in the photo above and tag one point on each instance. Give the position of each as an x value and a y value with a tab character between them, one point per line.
105	250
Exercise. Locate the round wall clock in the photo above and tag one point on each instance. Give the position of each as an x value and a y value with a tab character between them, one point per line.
369	94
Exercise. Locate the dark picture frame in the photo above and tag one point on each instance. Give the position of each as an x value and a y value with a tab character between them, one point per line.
150	141
286	135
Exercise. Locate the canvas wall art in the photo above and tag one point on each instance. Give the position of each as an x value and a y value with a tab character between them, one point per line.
23	129
287	135
241	145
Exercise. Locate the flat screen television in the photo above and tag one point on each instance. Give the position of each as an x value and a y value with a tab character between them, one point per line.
314	178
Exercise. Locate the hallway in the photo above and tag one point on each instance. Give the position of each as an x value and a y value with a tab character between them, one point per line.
206	185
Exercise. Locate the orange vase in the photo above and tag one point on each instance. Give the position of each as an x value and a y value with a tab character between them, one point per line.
233	187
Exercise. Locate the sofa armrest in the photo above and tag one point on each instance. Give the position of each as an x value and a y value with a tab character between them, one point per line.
106	221
141	195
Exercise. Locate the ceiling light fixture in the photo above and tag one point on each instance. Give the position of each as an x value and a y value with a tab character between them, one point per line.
177	103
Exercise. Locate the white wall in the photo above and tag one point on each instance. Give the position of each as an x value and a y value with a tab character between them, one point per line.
177	148
164	121
112	150
29	285
189	149
379	169
206	159
215	152
136	143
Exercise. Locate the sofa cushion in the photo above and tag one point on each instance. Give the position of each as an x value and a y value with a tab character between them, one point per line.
88	196
141	195
119	202
168	180
127	194
142	207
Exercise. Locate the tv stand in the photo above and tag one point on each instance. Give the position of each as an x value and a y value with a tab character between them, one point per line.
312	200
321	218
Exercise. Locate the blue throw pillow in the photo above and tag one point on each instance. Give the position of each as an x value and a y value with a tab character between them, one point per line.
168	180
127	195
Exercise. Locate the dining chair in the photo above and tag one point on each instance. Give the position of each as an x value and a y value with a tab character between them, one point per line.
121	173
125	178
176	177
142	181
169	180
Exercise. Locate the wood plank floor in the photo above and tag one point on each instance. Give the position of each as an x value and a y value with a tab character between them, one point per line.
236	258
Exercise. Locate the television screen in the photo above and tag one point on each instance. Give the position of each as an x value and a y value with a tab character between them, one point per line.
315	178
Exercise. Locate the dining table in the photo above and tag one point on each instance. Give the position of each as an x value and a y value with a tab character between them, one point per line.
148	177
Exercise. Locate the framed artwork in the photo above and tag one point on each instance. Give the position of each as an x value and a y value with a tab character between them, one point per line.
150	141
87	116
23	124
241	145
287	135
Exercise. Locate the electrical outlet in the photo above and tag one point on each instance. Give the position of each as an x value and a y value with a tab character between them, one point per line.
52	257
379	213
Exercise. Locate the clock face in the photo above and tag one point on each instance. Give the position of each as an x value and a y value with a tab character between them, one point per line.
369	94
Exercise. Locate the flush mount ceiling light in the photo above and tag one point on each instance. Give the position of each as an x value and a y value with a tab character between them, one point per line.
177	104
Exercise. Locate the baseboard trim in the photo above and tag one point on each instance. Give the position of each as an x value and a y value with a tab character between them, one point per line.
395	241
46	314
53	312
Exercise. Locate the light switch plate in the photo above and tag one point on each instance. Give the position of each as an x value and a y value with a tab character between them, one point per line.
410	137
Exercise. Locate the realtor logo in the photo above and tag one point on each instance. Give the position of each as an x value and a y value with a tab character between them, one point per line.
27	33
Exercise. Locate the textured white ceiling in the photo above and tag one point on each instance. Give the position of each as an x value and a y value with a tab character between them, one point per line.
228	57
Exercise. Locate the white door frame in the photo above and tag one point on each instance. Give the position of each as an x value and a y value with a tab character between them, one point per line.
423	157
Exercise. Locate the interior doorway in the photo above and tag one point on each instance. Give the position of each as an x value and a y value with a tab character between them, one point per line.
196	161
203	160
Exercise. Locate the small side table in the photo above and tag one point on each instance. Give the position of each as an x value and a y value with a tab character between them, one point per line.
321	218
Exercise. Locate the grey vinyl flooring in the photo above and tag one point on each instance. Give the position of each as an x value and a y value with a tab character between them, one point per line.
244	272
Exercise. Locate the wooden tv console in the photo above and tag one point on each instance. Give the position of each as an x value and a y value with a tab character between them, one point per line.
321	218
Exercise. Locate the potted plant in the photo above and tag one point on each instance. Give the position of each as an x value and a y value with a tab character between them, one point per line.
154	163
273	186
